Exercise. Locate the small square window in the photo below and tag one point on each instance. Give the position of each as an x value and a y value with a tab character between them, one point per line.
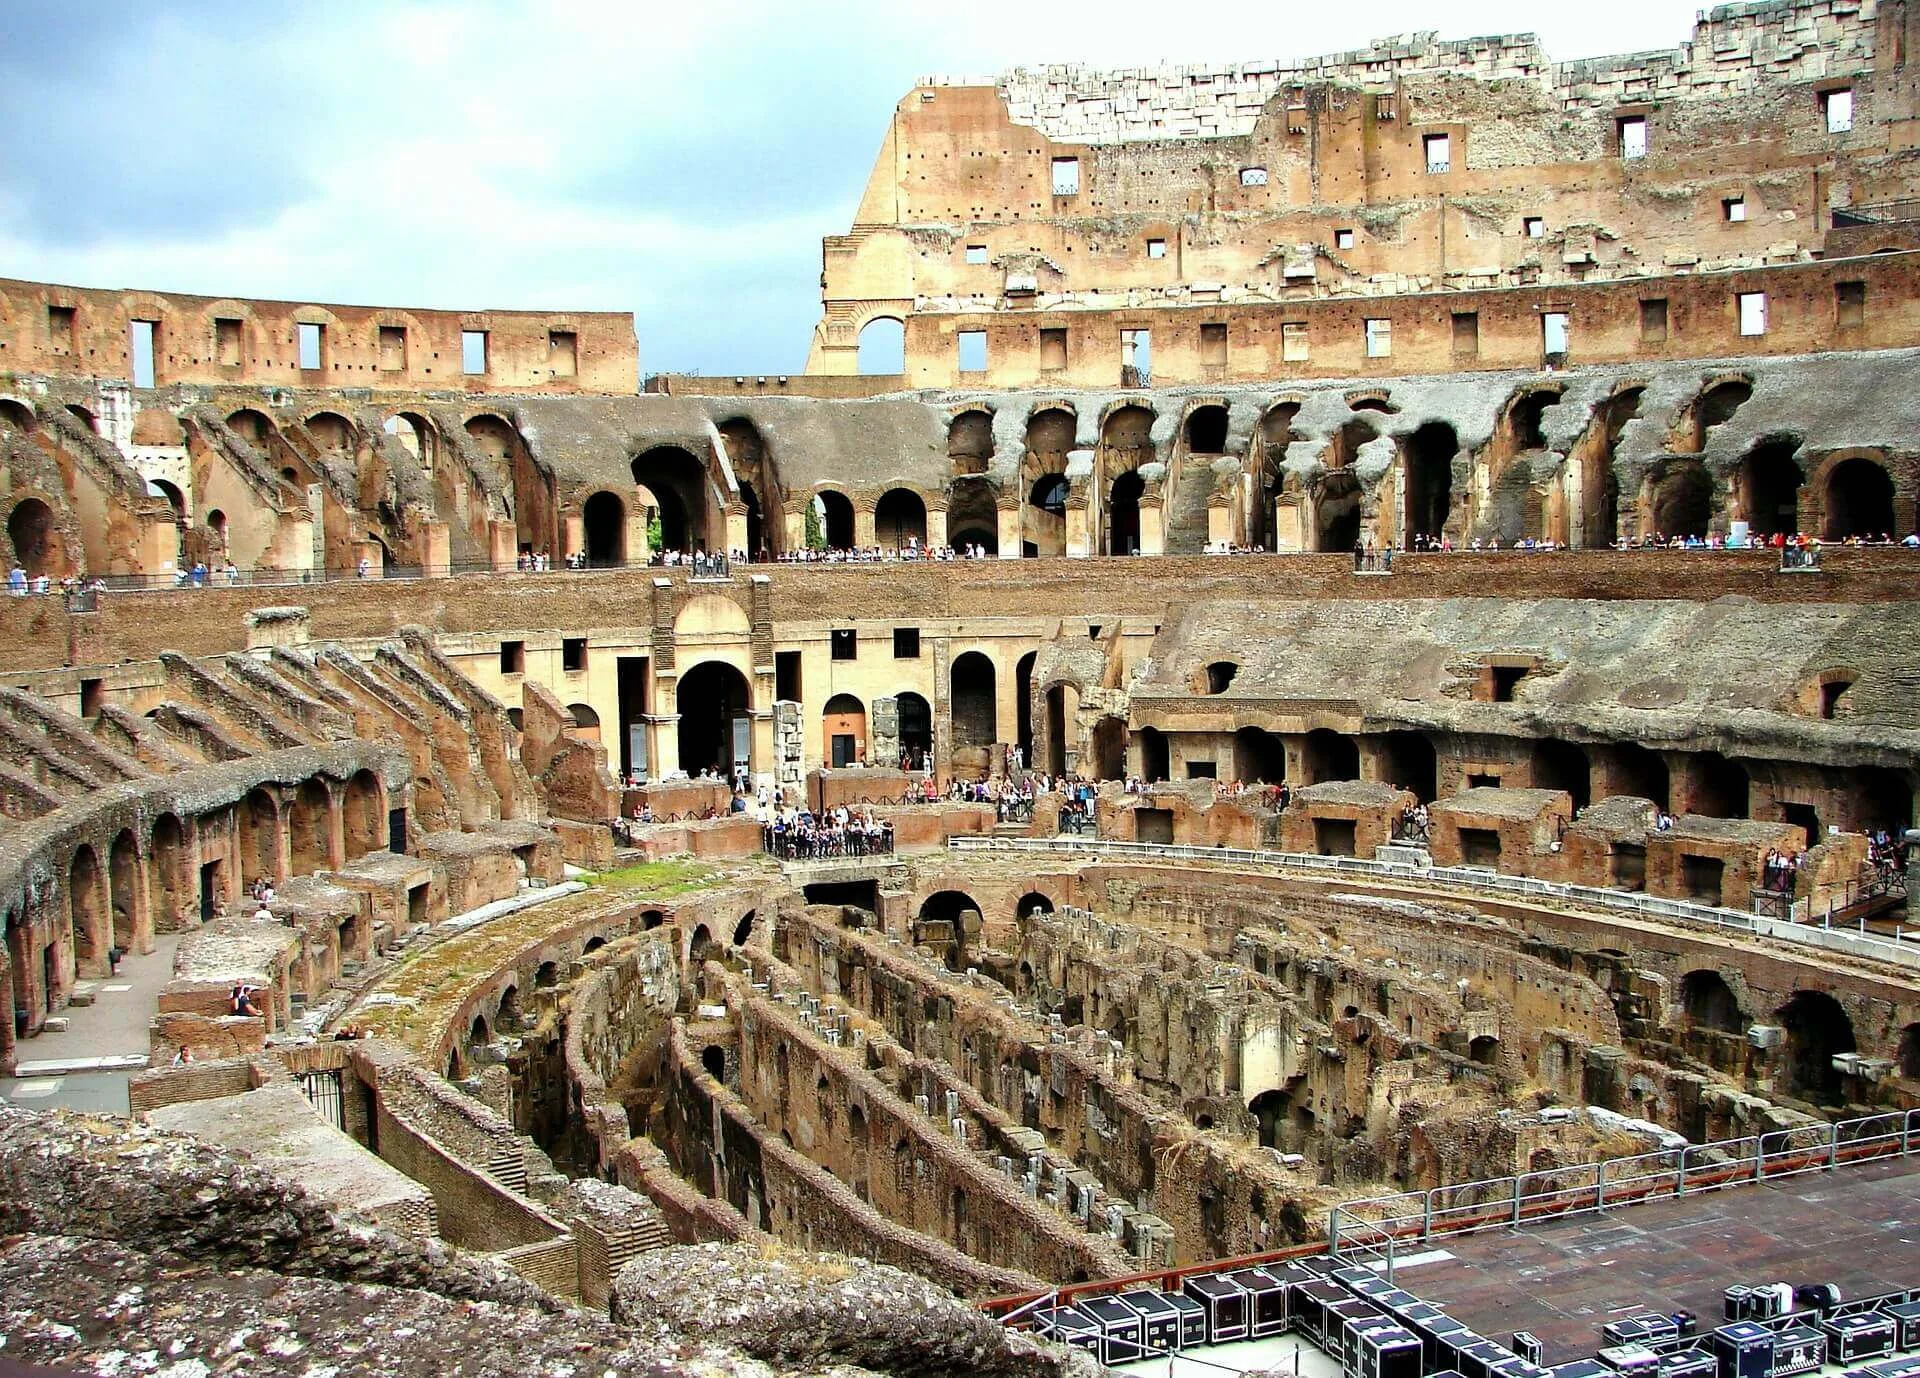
1653	320
1293	342
513	657
1753	313
312	340
1837	106
1439	152
976	253
973	350
573	654
473	352
1734	209
1633	136
1536	227
1253	177
845	643
1379	338
1343	239
1156	248
1849	303
1066	176
906	643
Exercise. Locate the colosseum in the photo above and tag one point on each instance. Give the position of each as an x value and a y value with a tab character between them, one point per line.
1341	715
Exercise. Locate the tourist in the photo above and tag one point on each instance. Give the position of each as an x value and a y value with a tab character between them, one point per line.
17	582
365	567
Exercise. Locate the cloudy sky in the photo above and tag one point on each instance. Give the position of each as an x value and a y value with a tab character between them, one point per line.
677	161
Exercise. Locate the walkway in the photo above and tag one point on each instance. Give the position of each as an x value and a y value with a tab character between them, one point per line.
85	1065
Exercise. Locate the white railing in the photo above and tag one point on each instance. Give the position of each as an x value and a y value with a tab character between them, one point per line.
1901	948
1378	1225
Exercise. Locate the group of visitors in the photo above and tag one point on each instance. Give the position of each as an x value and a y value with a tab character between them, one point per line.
1780	871
41	585
801	835
909	551
1888	854
1367	560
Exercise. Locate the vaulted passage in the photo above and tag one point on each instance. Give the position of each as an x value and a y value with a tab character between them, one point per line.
1770	482
605	520
1859	501
676	484
1123	515
36	540
975	712
1817	1029
1429	479
715	731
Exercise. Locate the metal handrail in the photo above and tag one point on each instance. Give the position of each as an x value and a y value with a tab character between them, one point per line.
1899	949
1376	1224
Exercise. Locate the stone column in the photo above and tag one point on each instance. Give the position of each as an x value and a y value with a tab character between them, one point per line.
789	751
883	732
936	527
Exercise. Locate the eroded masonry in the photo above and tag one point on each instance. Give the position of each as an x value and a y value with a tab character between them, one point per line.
1368	641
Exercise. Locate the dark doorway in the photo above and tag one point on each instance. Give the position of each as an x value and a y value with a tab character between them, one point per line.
605	520
1153	754
715	730
1772	480
1330	756
1859	500
633	673
1207	431
975	719
1259	757
1410	762
1430	452
1023	706
1123	514
209	890
677	483
1817	1029
916	728
1563	766
836	519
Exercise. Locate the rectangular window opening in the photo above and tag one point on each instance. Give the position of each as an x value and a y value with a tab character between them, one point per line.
92	697
1849	303
228	343
1293	342
143	336
973	351
1753	312
513	657
1734	209
1466	334
473	352
393	348
1136	358
1653	320
1439	152
1553	334
906	643
786	676
563	353
1343	239
1202	770
1156	248
1379	338
976	253
1253	177
846	643
1053	349
60	327
573	654
311	340
1213	345
1479	847
1536	227
1066	176
1837	106
1632	130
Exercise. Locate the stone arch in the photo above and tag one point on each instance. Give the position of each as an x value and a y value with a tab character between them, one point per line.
973	702
1031	903
17	416
1708	1002
1679	496
310	828
1817	1029
1427	463
546	975
973	515
38	546
743	930
1524	413
970	441
1206	429
1109	747
1715	406
251	425
1768	483
1410	761
1052	433
1485	1050
1259	757
1023	706
87	909
843	730
759	490
1216	677
835	511
127	887
651	919
412	432
332	433
1859	500
364	815
700	947
916	726
586	722
1721	787
1046	516
259	837
713	697
604	526
883	346
961	917
859	1150
1329	755
1599	479
900	519
166	872
1641	773
1123	513
677	482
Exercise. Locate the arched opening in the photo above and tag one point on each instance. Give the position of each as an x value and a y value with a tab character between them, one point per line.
1484	1050
948	919
1410	762
756	521
1154	757
1680	497
309	828
1708	1002
123	871
1770	480
1269	1111
509	1013
592	945
83	416
1524	418
916	729
1283	1116
478	1034
15	416
1717	406
716	728
1046	523
1109	748
1563	766
900	519
843	727
1720	787
1207	430
1600	482
1062	723
859	1144
259	838
970	442
743	930
1859	501
250	425
976	721
1886	799
362	813
651	920
1023	706
1640	773
835	513
700	947
415	435
747	453
37	547
1429	479
678	484
166	858
1329	756
332	433
713	1058
973	516
883	347
1336	511
1817	1030
586	722
1259	757
1218	676
161	488
604	518
1123	514
87	909
547	976
1031	903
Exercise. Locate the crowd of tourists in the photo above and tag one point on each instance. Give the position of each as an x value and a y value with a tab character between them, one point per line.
802	835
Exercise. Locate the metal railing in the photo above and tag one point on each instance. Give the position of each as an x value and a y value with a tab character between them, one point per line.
1899	948
1379	1225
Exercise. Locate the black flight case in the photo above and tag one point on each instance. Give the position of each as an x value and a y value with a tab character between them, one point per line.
1226	1304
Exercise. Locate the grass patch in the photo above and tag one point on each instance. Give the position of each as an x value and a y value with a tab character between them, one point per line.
674	876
